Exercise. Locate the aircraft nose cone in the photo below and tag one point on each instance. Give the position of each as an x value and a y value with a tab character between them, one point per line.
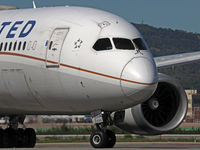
139	79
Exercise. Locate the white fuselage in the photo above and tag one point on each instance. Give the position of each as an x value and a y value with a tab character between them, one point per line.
48	64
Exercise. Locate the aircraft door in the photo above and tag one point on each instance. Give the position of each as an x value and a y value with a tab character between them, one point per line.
54	47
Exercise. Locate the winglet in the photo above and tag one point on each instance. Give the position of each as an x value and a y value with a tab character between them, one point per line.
34	6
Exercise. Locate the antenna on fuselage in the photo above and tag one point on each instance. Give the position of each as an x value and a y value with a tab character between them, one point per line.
34	6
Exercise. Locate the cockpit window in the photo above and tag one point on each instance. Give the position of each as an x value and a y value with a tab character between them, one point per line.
102	44
139	44
121	43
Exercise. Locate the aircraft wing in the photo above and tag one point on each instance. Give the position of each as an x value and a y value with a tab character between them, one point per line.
176	60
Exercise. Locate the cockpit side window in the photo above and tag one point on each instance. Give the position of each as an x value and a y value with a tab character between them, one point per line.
102	44
139	44
121	43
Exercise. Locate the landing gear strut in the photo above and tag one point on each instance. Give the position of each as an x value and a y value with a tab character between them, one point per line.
103	138
17	137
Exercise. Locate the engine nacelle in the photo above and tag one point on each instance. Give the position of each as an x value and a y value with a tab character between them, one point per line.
162	113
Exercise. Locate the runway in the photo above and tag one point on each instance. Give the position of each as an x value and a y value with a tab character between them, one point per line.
118	146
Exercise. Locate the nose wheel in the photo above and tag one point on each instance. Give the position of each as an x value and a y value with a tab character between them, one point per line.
102	139
98	139
111	138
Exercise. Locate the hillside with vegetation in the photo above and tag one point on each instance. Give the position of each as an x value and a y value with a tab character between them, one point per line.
167	42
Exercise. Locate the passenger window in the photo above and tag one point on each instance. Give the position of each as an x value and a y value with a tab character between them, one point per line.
34	45
139	44
50	45
125	44
29	45
24	46
15	44
19	46
5	46
102	44
1	46
10	46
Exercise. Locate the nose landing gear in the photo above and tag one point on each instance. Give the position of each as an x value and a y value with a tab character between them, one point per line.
103	138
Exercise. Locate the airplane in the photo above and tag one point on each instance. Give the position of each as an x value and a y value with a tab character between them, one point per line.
81	61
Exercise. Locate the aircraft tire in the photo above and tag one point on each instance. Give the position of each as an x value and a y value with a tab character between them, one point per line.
1	138
111	138
9	139
30	138
21	138
99	139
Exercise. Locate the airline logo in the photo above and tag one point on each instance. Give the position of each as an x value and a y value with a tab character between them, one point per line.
13	28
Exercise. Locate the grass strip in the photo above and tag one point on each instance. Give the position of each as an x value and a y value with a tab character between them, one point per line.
64	129
126	138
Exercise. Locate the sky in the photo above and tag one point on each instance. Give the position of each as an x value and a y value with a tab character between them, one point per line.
175	14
